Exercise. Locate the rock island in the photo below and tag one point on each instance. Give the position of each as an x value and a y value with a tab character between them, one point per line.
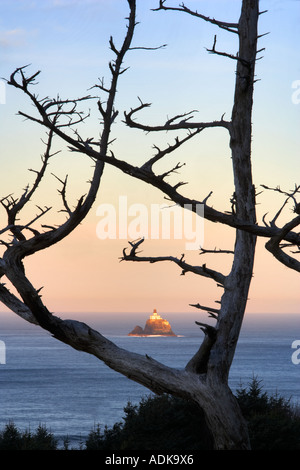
155	325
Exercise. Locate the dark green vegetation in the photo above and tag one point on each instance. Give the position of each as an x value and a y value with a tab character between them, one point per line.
158	423
13	439
171	424
273	423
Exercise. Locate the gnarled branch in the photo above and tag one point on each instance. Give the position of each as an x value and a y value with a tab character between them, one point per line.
213	312
231	27
186	267
273	245
170	124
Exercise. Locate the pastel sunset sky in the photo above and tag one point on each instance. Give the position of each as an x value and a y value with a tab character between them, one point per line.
68	41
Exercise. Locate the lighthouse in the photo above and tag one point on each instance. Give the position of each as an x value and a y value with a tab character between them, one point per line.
155	326
155	315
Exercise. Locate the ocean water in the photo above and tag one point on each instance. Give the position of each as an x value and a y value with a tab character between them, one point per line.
46	382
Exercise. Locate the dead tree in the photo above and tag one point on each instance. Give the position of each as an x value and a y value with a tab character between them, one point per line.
205	378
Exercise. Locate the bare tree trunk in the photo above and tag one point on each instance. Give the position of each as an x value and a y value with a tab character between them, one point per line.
216	353
205	378
236	286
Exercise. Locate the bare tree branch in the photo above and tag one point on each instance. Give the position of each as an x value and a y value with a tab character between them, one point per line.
144	174
171	148
289	194
203	251
14	206
51	120
273	245
62	192
147	48
234	220
213	312
231	27
170	124
200	270
225	54
205	378
16	305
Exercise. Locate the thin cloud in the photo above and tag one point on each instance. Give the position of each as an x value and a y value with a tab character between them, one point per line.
68	3
12	38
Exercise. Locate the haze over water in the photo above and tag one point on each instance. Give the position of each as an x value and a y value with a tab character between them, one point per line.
45	381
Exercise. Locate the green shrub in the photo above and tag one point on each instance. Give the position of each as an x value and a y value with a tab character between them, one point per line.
12	439
166	423
158	423
109	440
273	423
172	424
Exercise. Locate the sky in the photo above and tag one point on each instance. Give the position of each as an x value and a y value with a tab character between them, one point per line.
68	41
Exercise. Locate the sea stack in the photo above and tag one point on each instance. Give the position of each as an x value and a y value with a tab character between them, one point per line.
155	326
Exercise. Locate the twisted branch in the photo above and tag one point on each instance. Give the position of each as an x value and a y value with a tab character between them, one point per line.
231	27
170	124
186	267
273	245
